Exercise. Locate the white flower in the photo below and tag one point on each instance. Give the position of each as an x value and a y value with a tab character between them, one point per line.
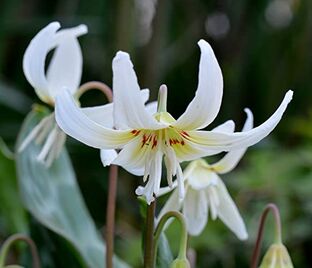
145	138
64	71
205	191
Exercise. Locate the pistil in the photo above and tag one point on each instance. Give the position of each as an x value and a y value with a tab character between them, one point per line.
162	99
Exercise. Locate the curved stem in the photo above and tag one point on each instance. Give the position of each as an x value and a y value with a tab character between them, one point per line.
149	235
278	232
19	237
95	85
160	226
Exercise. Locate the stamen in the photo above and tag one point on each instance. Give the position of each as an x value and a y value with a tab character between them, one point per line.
44	123
48	145
162	99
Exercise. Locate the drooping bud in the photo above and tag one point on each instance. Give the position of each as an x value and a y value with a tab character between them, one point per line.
162	99
180	263
276	257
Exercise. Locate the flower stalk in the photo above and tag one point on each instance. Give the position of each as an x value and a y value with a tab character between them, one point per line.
183	242
110	215
278	232
19	237
95	85
113	178
149	236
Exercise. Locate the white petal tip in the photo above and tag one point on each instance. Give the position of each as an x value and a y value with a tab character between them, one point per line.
55	25
289	95
203	44
243	236
249	114
139	190
247	111
121	55
82	29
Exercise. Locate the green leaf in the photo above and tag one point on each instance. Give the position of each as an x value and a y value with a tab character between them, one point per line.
164	255
12	213
54	198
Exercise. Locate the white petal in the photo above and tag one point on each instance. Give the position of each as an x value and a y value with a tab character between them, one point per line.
173	203
195	210
34	60
108	156
145	94
206	104
157	171
129	110
211	140
229	214
151	107
103	114
147	191
66	64
231	159
228	127
133	158
76	124
202	177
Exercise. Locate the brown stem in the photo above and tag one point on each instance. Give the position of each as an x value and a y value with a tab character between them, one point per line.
95	85
110	215
149	236
278	232
33	249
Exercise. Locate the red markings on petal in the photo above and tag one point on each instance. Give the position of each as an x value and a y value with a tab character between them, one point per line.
135	132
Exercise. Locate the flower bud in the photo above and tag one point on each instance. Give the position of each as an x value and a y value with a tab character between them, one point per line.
180	263
276	257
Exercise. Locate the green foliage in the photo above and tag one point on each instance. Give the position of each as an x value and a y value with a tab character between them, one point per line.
54	199
164	255
12	214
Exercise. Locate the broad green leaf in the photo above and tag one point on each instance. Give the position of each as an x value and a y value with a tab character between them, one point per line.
12	213
54	198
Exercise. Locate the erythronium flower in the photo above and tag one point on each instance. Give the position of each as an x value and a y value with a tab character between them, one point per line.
145	138
206	191
64	71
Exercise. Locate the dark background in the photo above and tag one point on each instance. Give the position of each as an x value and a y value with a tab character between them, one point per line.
263	48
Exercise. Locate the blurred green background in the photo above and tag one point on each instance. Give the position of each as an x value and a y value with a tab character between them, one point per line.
263	48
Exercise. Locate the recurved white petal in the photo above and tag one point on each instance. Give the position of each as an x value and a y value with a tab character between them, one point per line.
74	122
195	210
103	114
231	159
66	64
229	214
129	110
211	140
227	126
206	104
174	203
108	156
34	60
